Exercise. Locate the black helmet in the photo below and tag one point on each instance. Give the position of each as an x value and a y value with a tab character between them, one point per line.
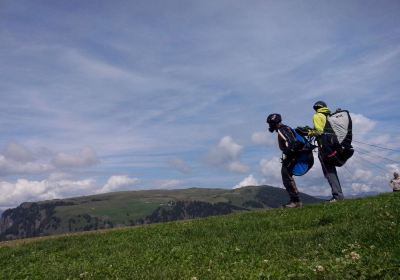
319	104
273	120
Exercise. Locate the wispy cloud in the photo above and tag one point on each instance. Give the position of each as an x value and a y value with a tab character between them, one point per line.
19	160
180	165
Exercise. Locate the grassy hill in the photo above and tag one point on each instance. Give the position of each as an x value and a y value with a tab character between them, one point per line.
134	208
354	239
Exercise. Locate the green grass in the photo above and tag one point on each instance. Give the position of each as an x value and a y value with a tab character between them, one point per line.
355	239
118	213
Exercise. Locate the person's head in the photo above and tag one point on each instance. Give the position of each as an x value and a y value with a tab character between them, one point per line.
396	175
319	105
274	121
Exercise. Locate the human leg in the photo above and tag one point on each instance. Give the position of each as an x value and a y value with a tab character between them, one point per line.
289	183
330	174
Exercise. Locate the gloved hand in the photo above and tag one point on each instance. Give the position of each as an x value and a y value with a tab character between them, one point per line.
313	132
303	130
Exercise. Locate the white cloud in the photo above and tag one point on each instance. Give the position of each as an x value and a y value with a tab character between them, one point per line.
118	182
271	168
394	167
361	124
360	188
86	157
263	138
226	154
24	190
228	149
362	174
58	186
180	165
248	181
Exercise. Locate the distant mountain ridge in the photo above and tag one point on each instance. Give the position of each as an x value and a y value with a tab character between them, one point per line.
131	208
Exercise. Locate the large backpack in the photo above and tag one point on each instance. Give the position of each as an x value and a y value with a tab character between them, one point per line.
335	143
304	159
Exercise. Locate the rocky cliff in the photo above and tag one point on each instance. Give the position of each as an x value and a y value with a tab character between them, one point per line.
29	219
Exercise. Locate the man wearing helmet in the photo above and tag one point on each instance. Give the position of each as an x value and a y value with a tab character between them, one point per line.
395	182
321	126
288	145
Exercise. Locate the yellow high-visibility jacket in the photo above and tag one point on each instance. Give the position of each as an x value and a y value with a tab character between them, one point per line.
319	121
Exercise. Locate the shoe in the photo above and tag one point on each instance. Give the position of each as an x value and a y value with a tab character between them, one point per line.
293	205
332	200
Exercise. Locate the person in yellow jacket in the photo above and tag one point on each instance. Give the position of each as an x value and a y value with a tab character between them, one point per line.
320	126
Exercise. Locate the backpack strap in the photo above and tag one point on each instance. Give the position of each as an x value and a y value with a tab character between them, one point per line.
286	133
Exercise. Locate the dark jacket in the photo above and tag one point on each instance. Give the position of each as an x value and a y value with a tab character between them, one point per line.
287	140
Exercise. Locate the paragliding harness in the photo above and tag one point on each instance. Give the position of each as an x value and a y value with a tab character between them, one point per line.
301	158
335	143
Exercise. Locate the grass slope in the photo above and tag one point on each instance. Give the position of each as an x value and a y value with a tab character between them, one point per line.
354	239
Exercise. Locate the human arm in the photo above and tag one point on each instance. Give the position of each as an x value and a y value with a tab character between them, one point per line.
287	140
319	121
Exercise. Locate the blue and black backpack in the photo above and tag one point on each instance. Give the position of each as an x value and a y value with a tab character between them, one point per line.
304	158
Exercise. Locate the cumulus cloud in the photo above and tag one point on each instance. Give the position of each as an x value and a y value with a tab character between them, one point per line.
271	168
180	165
360	188
227	154
262	138
362	174
25	190
361	124
57	186
368	139
248	181
118	183
393	167
86	157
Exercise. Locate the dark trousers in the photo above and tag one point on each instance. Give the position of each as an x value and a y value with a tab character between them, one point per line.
288	180
330	174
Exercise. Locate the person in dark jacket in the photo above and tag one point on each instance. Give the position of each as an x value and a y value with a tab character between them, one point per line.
320	126
288	145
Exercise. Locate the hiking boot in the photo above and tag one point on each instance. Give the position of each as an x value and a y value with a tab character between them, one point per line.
332	200
293	205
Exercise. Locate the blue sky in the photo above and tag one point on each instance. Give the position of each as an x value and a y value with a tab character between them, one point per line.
114	95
